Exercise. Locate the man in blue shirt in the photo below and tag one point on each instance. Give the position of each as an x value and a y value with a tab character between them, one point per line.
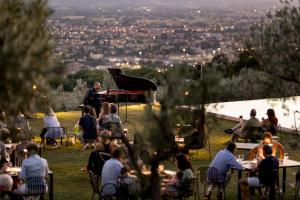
111	172
222	162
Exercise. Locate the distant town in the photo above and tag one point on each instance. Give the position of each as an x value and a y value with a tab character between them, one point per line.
131	37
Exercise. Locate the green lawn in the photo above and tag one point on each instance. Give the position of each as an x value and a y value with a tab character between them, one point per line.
71	183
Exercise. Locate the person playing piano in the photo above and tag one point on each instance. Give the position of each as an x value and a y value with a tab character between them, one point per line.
93	99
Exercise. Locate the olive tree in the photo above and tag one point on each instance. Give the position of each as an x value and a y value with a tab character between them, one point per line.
25	53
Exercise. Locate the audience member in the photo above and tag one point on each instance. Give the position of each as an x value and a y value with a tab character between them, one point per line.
93	99
34	169
266	140
267	174
270	124
129	185
6	184
2	119
20	126
111	172
105	140
104	113
113	116
223	161
198	137
4	157
50	122
182	182
243	130
88	125
97	159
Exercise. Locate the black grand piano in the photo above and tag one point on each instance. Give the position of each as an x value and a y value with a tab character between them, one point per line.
129	88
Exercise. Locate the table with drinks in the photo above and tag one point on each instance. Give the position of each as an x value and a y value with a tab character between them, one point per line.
248	165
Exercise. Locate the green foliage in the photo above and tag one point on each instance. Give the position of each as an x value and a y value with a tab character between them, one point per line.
277	41
66	101
88	76
70	82
25	52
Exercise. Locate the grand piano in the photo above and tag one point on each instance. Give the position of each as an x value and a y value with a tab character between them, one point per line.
130	88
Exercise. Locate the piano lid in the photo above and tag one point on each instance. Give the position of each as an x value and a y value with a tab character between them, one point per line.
126	82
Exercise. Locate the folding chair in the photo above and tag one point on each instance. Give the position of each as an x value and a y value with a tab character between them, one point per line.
95	184
213	180
109	191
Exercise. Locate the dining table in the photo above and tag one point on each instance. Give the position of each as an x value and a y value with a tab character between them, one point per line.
14	172
283	164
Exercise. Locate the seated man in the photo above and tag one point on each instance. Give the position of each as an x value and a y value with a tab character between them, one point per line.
88	125
267	174
33	172
111	172
266	140
223	161
6	184
245	131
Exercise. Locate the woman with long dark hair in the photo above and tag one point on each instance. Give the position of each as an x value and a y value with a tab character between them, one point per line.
181	184
270	124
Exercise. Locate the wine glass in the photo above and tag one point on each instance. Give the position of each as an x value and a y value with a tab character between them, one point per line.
286	156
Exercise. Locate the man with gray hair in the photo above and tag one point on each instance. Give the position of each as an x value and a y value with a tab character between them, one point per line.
6	183
248	128
33	172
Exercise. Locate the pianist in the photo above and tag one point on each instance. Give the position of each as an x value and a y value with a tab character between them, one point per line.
93	99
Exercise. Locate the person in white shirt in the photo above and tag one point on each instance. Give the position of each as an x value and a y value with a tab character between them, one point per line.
111	172
223	161
50	120
34	169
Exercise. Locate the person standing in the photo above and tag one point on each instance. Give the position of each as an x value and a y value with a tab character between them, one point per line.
93	99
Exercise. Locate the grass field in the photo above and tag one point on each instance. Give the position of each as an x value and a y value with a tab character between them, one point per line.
70	183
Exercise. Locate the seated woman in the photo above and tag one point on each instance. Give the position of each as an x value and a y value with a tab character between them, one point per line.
270	124
113	122
50	122
104	113
113	116
181	184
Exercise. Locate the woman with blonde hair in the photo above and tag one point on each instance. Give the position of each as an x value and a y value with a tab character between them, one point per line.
50	121
104	112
